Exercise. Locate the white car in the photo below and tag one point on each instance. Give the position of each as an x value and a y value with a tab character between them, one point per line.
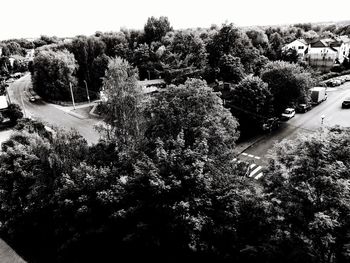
288	113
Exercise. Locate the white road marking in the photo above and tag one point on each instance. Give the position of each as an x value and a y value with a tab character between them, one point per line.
252	165
255	171
250	155
257	157
259	176
245	154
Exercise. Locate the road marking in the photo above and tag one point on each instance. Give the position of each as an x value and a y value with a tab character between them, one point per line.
245	154
257	157
234	160
250	155
255	171
252	165
259	176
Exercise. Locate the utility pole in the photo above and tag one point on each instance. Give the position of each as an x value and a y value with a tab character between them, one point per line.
87	91
71	92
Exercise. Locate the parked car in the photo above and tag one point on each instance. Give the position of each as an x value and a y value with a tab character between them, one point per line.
288	114
346	103
304	107
32	99
270	124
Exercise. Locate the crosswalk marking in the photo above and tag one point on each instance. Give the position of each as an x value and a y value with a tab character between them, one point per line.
250	155
252	165
255	171
257	157
259	176
245	154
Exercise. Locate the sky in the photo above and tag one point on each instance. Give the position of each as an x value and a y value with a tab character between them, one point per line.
66	18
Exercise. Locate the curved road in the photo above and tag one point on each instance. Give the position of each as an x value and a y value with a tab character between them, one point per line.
49	113
305	122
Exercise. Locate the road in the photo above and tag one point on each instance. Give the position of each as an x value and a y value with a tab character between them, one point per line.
302	123
50	113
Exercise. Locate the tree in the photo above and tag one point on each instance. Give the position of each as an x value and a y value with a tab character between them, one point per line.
251	103
123	109
230	40
53	73
276	44
156	28
290	55
308	182
190	47
196	111
116	44
289	84
14	112
231	68
259	39
86	50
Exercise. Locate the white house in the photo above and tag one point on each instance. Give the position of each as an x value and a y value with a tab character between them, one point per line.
300	45
325	53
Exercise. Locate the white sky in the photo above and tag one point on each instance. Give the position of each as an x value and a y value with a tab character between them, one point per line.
32	18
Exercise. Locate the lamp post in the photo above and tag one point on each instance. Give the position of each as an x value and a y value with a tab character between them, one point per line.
87	91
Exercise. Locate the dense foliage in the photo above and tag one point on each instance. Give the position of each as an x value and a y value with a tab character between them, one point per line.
161	185
53	74
289	84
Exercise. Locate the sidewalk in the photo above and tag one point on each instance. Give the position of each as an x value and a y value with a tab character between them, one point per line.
245	145
81	111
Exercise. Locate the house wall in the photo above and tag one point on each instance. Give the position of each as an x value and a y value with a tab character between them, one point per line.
298	46
321	58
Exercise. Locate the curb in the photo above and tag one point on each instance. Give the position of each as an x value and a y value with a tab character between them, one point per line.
76	115
92	111
252	144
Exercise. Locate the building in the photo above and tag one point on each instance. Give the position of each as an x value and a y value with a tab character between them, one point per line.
150	86
300	45
322	54
147	87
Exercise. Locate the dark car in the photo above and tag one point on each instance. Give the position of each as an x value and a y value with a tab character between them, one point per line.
270	124
346	103
302	108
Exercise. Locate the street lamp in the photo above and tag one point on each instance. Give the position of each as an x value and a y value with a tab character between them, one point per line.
87	91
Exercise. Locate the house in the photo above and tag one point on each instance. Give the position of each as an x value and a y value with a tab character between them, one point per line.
323	54
150	86
147	87
300	45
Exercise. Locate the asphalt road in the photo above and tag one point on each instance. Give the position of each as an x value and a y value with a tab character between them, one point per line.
49	113
304	123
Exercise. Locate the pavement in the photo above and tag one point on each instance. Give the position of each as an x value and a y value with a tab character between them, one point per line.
256	150
51	114
8	255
